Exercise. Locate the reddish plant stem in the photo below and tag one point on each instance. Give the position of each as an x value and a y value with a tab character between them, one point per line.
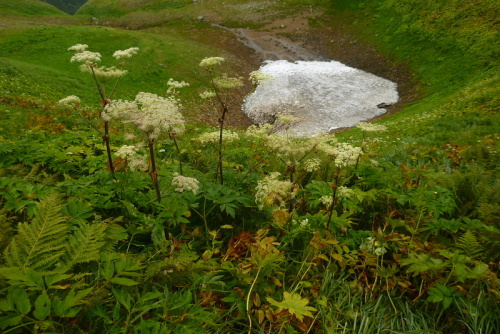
154	177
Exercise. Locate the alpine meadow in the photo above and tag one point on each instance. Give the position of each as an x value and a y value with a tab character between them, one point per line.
137	196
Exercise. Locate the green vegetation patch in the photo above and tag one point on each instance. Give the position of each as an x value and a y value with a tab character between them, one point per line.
27	7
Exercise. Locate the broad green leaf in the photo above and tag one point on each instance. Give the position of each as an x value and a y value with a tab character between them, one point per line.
20	299
10	320
12	273
295	304
123	281
42	306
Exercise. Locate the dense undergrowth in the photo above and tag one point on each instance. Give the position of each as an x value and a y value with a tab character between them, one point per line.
393	231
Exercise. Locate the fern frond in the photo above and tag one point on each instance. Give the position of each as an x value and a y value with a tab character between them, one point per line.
470	245
86	243
42	242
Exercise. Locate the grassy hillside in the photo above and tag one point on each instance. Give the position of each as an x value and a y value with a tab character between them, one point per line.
109	225
26	7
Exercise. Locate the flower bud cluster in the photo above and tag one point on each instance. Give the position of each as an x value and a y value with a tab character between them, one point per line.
258	77
128	53
370	127
345	192
211	61
208	94
150	113
70	101
225	82
86	57
184	183
135	161
271	192
372	246
259	131
103	74
312	165
214	137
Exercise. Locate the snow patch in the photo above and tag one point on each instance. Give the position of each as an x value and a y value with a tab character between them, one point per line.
323	95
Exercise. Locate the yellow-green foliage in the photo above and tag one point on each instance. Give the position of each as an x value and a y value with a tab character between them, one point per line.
41	243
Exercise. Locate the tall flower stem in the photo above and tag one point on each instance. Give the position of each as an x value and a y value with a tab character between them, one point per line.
154	177
335	186
221	125
105	137
173	137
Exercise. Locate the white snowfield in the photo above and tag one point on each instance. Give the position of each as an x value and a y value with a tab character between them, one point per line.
323	95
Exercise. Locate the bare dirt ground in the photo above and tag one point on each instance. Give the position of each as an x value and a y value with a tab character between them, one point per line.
294	39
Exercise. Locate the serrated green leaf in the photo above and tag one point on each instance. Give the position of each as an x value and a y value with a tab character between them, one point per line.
123	298
295	304
42	306
10	320
12	273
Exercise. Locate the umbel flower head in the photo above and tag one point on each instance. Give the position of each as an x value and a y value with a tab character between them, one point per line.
271	192
104	74
150	113
86	57
184	183
214	136
210	62
128	53
70	101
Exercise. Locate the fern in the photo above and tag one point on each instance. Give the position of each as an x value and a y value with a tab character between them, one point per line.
470	245
85	244
41	243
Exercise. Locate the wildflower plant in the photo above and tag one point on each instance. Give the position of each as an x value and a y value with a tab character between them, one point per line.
153	115
89	63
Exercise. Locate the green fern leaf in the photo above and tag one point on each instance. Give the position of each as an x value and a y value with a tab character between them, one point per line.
42	242
470	245
86	243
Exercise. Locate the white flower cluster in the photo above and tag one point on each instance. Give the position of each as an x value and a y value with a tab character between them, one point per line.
173	85
70	101
258	77
312	165
326	200
184	183
86	57
225	82
271	192
370	127
207	94
150	113
213	137
344	154
128	53
372	246
126	151
104	74
211	61
286	146
345	192
347	154
135	161
287	119
138	163
259	131
78	47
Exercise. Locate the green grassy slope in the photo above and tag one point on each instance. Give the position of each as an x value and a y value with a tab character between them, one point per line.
27	7
41	53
